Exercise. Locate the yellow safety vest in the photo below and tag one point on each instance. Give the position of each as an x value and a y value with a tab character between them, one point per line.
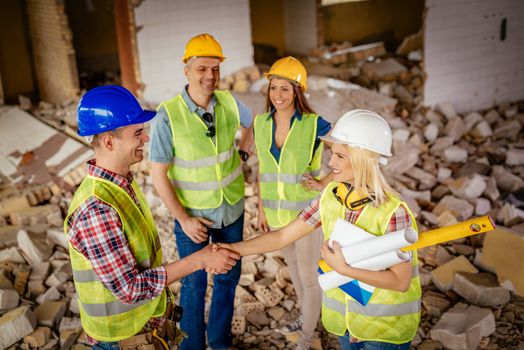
204	173
103	316
389	316
282	194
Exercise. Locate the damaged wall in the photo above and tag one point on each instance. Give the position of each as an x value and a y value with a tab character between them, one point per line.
54	56
300	25
375	20
267	23
466	61
368	21
15	62
94	34
166	26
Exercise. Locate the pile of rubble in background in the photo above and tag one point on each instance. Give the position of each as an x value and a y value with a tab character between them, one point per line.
448	167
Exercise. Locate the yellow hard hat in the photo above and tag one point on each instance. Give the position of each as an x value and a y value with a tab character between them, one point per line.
203	45
289	68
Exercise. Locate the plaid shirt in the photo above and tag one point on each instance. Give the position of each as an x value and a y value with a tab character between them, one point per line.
311	216
95	231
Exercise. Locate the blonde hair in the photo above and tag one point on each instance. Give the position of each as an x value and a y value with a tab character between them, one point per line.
368	179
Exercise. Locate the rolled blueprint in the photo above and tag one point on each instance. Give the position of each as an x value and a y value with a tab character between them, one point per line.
346	233
378	245
333	279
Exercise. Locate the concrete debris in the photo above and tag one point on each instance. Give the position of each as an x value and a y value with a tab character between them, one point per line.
468	187
34	247
8	299
38	338
502	249
515	156
15	325
463	326
443	275
448	167
481	289
386	70
49	313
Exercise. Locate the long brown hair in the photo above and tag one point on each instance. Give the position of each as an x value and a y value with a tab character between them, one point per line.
301	104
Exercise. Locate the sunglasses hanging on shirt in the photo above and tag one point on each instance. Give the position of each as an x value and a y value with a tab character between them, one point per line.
208	119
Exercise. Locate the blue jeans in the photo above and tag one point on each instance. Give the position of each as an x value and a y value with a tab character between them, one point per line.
193	292
370	345
106	346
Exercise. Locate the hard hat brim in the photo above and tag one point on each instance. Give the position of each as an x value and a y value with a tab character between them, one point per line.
146	116
331	139
220	58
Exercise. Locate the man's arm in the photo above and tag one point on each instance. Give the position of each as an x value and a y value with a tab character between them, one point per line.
218	261
246	138
96	233
193	227
271	241
246	122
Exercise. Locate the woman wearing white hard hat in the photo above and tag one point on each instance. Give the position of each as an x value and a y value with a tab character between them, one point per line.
289	152
359	194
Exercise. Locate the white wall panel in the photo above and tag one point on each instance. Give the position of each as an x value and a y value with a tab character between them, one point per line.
167	25
466	62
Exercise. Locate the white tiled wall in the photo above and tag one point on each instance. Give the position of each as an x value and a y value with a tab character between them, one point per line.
300	25
465	62
167	25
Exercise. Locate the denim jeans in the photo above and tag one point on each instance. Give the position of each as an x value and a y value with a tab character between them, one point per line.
370	345
106	346
193	292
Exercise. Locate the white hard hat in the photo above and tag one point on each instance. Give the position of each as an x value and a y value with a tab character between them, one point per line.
363	129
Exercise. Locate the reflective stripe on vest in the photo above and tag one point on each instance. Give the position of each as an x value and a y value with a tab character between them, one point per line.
210	185
103	316
109	309
384	310
371	309
281	191
283	204
204	162
389	316
334	305
204	173
287	178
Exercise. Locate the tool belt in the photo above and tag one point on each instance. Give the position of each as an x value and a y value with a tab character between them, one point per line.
168	337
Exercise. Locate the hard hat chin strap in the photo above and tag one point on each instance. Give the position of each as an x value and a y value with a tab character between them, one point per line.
383	160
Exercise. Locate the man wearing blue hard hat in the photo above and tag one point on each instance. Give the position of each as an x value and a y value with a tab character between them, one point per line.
114	246
197	171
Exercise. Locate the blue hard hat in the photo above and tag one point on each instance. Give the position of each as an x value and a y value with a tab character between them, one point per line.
109	107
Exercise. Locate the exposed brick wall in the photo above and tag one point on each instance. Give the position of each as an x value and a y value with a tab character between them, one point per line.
466	62
54	56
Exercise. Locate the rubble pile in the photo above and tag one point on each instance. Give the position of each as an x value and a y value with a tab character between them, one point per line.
448	167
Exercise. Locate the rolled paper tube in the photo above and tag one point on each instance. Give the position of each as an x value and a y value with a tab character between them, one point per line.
379	245
333	279
346	233
444	234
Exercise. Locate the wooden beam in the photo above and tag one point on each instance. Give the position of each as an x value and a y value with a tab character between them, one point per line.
126	39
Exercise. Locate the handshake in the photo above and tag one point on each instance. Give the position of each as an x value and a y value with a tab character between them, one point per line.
217	259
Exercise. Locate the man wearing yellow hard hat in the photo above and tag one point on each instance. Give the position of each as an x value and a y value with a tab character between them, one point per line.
197	172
